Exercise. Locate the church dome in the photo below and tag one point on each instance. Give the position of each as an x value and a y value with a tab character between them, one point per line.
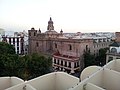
51	32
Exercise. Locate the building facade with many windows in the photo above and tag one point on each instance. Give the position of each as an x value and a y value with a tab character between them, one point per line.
17	42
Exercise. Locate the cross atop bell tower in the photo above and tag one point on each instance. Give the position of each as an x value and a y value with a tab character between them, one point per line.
50	25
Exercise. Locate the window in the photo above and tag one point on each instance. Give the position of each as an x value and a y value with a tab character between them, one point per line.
78	64
55	45
29	34
17	48
55	61
94	51
74	64
9	40
37	44
65	64
70	47
34	34
17	41
14	41
86	47
58	62
113	50
70	64
61	62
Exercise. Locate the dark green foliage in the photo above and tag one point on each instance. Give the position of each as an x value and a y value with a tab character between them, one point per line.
34	66
10	65
89	59
6	48
25	67
99	60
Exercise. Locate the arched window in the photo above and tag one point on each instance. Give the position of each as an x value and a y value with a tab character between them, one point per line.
113	50
70	47
86	47
55	45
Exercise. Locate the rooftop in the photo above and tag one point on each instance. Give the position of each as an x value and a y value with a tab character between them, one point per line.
116	44
72	58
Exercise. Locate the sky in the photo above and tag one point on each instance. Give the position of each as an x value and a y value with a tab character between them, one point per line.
69	15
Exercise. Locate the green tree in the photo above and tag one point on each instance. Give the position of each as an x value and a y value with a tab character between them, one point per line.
8	59
34	65
89	59
10	65
101	58
6	48
25	67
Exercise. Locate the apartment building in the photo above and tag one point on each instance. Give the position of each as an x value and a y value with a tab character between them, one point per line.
17	42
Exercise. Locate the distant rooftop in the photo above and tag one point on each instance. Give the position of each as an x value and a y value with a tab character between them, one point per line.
116	44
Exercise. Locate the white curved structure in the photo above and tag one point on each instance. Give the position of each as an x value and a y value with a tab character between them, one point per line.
88	71
100	78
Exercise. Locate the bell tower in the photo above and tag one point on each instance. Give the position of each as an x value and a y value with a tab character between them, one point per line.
50	25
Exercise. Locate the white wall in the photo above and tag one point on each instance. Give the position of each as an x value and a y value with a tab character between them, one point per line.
15	81
17	87
117	65
111	80
22	86
29	87
65	81
114	65
89	71
110	65
54	81
97	78
45	82
4	83
90	86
